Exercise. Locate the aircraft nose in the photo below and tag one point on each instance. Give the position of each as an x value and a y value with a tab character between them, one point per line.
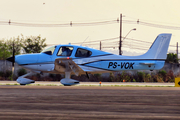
11	59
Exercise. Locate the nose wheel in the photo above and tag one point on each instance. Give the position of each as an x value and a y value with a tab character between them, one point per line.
24	81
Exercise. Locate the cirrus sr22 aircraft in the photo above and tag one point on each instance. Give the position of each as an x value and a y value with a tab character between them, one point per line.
72	59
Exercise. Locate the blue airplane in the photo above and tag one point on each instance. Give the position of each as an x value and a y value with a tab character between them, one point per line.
71	59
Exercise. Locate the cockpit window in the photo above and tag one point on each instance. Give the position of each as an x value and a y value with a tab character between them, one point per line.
65	51
50	49
83	53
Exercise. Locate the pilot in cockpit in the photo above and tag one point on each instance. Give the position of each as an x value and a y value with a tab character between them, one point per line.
65	51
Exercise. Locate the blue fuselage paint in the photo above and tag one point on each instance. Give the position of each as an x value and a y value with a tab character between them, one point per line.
118	65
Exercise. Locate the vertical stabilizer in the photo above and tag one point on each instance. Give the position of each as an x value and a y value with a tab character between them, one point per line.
159	48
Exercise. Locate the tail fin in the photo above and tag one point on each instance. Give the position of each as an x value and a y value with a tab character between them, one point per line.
159	48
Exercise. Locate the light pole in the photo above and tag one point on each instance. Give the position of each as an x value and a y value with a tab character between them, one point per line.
125	38
128	33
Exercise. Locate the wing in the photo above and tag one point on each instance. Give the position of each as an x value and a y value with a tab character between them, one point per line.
67	65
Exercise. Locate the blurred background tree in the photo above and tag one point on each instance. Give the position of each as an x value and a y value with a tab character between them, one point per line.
32	44
172	58
4	51
17	45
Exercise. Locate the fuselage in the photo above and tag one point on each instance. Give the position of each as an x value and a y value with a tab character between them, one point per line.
88	59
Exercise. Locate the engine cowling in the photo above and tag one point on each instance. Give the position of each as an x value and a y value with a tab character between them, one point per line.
68	82
24	81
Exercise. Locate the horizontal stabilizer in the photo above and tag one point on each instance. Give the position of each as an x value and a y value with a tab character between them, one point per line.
144	63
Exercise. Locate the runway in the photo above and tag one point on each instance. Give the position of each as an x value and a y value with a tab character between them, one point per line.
89	102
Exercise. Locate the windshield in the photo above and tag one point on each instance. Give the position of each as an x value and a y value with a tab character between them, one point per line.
52	48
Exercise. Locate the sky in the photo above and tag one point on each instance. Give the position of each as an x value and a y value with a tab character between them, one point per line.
160	12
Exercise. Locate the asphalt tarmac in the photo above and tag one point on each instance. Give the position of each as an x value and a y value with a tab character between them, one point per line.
88	103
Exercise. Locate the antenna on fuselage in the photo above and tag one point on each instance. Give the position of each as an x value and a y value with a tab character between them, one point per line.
84	41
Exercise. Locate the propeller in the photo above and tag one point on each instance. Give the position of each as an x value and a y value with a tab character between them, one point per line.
12	59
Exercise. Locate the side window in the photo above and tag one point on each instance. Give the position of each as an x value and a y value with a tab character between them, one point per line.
82	53
65	51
